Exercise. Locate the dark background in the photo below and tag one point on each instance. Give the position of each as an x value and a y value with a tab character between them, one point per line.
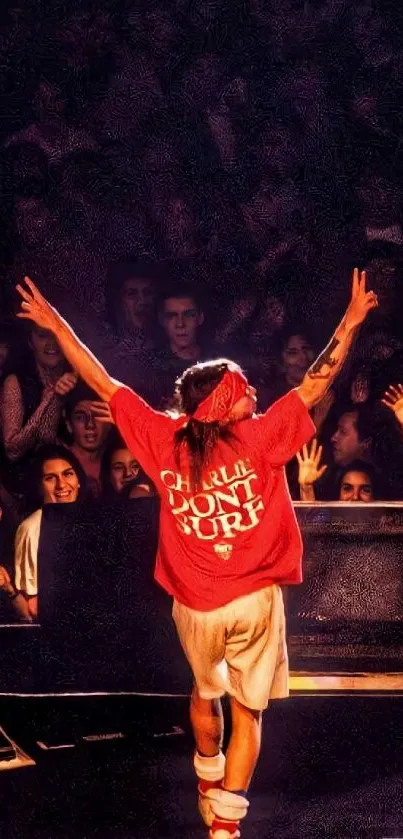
250	144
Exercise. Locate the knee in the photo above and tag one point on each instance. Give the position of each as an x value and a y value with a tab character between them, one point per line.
197	702
205	707
196	695
240	711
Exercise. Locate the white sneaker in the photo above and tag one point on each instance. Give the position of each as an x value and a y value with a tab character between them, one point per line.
205	808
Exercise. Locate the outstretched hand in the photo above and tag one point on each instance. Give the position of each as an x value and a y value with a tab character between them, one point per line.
35	307
393	399
362	301
309	464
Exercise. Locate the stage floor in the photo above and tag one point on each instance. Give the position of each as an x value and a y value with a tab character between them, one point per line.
331	768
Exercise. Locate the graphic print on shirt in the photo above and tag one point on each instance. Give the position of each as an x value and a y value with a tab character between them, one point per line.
229	503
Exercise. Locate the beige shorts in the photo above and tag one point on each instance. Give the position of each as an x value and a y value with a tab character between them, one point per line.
239	649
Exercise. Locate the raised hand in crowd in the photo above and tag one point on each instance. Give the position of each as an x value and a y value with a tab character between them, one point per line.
102	412
360	389
309	469
393	399
65	384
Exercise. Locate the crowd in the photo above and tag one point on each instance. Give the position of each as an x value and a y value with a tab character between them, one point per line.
187	181
59	444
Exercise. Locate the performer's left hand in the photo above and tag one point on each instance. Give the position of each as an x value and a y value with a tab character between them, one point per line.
362	301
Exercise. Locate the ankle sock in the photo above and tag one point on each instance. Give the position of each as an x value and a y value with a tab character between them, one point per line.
218	824
236	791
204	786
201	754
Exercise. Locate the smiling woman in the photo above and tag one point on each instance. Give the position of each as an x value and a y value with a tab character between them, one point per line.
57	479
121	474
60	483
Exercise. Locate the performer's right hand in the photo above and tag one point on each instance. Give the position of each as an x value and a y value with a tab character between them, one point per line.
35	307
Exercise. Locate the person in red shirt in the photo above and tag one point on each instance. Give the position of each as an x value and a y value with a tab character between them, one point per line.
228	534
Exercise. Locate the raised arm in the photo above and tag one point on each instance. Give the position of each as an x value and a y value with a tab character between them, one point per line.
35	307
327	366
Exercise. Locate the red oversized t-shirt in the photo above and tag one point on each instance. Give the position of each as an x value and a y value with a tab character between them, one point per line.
237	534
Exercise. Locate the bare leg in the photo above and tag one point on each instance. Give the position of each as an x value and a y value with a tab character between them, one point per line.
244	746
207	722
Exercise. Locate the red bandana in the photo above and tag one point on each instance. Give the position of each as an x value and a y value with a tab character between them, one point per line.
217	406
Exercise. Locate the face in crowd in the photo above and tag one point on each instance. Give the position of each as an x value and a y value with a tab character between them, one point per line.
45	348
123	469
60	483
297	356
88	432
345	442
181	320
137	301
356	486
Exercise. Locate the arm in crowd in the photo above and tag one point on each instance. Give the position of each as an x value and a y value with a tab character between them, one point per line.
323	372
42	425
24	607
36	308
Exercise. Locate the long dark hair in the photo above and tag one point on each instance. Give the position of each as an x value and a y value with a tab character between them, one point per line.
200	438
54	452
25	369
379	491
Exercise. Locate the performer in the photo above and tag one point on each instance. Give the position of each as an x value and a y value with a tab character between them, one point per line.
228	534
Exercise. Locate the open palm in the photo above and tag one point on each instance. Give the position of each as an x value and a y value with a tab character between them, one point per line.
310	469
393	399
